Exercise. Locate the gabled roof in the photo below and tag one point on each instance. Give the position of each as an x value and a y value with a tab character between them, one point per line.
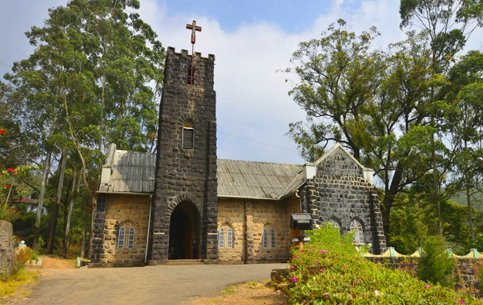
134	172
128	172
257	180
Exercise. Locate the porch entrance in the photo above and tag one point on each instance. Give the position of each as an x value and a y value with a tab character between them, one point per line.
184	232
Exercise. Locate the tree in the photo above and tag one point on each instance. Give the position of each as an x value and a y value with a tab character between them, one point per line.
464	127
374	103
447	25
88	82
338	77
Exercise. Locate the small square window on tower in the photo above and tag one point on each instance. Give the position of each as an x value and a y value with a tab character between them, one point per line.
188	136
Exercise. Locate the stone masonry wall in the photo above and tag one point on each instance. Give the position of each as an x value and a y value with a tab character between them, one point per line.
340	194
186	174
466	272
247	218
7	253
128	211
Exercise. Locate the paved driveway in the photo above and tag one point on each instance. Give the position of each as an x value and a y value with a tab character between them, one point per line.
163	285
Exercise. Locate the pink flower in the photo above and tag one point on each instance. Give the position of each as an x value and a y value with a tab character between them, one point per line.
322	269
292	267
294	279
322	251
294	257
461	302
427	286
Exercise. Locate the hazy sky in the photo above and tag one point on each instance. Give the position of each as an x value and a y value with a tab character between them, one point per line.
251	39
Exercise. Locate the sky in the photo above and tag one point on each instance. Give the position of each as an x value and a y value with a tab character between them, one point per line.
252	41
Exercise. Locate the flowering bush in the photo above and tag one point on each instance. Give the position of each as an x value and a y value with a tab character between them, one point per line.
329	270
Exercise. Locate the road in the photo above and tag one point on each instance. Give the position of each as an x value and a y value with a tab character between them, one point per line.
163	285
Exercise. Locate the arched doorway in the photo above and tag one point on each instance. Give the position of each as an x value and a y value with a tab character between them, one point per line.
184	232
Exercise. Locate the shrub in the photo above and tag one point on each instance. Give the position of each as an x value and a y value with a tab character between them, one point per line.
435	265
24	255
329	270
7	213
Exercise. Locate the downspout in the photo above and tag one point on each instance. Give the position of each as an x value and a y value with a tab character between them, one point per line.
245	237
149	229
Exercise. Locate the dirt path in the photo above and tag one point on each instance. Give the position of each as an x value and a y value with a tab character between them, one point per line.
166	285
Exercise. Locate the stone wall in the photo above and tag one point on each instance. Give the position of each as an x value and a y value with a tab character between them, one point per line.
186	174
128	211
466	272
248	218
7	253
340	194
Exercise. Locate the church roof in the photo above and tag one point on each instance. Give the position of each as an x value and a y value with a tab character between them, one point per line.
257	180
128	172
134	172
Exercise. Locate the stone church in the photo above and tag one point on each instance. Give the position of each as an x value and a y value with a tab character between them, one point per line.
184	203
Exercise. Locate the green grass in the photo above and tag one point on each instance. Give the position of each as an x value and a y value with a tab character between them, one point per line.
13	283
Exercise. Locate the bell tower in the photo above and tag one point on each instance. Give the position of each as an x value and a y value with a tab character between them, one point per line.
184	209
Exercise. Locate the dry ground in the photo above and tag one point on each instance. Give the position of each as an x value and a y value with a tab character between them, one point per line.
250	293
58	271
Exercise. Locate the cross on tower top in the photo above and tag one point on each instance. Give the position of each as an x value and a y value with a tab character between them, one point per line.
194	28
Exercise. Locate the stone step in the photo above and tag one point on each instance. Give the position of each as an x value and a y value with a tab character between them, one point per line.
184	262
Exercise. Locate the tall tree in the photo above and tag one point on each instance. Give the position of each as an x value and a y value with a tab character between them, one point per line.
372	102
464	126
447	24
338	77
89	82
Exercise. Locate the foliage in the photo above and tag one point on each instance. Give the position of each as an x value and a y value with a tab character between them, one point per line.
435	265
374	103
329	270
93	79
7	213
22	277
24	254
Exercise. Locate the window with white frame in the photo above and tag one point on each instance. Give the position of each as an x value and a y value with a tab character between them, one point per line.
268	237
357	228
121	237
225	237
130	239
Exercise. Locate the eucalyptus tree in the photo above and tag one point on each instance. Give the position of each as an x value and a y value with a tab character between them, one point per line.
447	25
464	126
93	78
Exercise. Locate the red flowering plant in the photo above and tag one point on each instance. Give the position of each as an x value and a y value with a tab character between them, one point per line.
6	213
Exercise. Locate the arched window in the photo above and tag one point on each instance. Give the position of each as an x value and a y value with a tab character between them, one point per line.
221	238
268	237
188	136
335	224
120	237
225	237
358	230
130	239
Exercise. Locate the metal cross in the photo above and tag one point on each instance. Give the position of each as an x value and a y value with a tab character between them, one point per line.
194	28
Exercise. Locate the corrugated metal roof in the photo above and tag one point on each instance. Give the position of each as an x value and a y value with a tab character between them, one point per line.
133	172
256	180
128	172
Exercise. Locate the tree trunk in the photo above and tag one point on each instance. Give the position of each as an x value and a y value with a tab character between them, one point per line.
40	206
389	198
55	208
69	215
